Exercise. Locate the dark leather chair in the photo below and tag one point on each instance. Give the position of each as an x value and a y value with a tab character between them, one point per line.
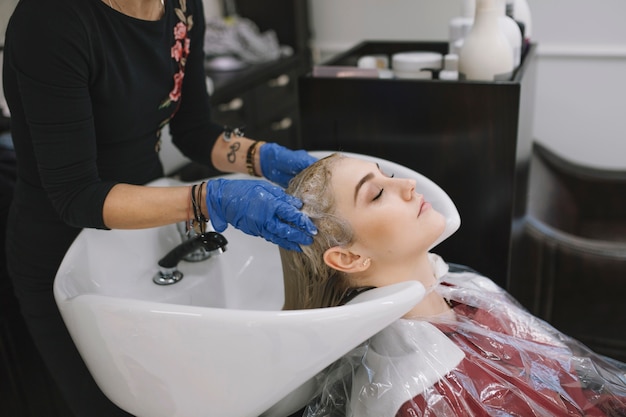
570	265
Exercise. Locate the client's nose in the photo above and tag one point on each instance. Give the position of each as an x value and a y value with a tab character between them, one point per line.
408	188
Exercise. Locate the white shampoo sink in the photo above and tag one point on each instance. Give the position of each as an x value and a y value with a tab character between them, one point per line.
216	343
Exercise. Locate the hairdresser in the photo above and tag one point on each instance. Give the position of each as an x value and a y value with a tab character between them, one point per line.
90	85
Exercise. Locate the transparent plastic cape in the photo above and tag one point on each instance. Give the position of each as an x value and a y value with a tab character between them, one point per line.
489	358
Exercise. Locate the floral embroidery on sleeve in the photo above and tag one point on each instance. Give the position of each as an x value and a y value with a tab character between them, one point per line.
179	51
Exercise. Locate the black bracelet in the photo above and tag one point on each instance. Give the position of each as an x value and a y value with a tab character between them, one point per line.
194	205
199	220
201	215
197	207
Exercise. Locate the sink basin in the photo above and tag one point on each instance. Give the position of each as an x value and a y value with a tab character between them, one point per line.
214	344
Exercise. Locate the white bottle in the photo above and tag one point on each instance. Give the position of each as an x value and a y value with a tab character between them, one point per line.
486	53
460	26
521	12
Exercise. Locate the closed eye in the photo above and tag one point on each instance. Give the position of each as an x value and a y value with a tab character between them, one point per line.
380	194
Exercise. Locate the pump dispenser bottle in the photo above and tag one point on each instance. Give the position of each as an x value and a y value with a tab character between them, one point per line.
509	12
486	53
460	26
521	12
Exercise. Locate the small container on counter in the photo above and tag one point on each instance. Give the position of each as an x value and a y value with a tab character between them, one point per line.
450	69
416	65
377	62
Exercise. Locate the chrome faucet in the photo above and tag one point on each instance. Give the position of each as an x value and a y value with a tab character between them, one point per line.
188	232
207	244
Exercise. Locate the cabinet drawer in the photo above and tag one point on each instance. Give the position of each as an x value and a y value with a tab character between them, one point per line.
283	129
235	111
275	95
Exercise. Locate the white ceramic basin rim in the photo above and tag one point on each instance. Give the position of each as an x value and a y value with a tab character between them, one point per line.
216	343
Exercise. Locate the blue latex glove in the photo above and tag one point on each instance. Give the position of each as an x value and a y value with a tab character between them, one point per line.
280	165
259	208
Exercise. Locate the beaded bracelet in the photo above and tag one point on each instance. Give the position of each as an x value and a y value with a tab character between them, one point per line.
250	163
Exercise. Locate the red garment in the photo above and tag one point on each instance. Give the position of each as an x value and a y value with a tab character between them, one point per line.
505	372
490	357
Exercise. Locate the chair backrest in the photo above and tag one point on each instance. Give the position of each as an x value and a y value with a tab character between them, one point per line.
571	251
579	200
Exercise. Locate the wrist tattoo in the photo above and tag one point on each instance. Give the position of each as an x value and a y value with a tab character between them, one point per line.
232	154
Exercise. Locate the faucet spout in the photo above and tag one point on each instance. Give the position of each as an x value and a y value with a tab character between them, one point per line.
211	242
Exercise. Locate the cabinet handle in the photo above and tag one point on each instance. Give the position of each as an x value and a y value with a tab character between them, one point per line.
234	104
280	81
284	124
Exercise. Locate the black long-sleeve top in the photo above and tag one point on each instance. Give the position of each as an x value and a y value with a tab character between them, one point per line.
89	91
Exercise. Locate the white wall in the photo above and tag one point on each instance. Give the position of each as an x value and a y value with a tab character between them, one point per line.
6	9
581	62
339	24
581	79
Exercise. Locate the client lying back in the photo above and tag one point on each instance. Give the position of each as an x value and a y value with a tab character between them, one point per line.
466	349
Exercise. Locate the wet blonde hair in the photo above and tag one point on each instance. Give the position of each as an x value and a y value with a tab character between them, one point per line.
309	282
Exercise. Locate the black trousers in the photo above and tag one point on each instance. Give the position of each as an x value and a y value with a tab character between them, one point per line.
33	257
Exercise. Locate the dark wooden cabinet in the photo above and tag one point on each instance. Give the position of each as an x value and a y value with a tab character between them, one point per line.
263	98
472	138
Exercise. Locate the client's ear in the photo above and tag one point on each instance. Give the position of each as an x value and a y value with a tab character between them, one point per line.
344	260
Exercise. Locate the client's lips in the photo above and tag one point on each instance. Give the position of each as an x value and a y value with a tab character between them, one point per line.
423	207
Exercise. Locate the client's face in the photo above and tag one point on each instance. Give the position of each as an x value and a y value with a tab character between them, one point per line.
389	218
